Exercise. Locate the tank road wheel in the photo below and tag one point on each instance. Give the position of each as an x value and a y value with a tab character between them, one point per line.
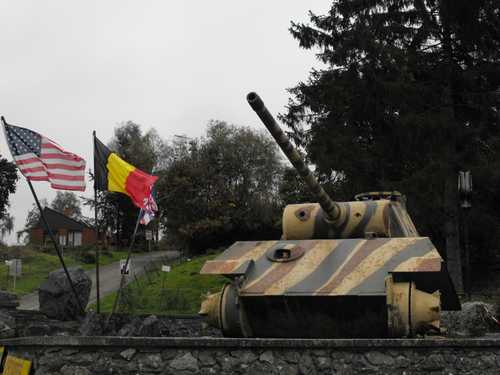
224	310
232	314
409	310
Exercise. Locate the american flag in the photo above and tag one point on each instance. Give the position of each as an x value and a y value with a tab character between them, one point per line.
41	159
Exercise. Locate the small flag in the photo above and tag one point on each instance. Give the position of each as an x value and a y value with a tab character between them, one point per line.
148	212
41	159
111	173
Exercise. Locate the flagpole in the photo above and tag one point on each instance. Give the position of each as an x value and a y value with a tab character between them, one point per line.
44	220
56	245
97	283
122	279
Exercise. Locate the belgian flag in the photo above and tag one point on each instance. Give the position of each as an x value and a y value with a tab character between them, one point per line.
111	173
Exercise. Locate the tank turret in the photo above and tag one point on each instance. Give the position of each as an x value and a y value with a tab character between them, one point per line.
340	269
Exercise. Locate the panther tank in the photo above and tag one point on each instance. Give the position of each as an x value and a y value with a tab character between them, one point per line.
340	269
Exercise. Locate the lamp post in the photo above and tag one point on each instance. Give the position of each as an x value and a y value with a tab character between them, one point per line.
465	193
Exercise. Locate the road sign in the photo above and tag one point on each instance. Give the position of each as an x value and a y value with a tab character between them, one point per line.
149	235
165	268
15	267
122	266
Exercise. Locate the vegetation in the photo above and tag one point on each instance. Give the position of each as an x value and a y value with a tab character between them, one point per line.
179	291
67	203
210	191
37	265
116	210
8	179
220	188
407	98
6	225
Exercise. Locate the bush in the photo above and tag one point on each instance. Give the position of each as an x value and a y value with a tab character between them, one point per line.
19	252
84	255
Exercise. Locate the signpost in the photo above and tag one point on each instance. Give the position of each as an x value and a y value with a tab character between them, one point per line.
15	269
165	268
149	237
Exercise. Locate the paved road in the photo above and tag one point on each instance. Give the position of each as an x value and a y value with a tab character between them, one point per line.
109	277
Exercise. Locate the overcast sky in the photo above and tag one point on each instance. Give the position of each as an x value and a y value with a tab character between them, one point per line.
70	67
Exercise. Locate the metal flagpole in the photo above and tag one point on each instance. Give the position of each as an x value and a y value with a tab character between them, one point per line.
122	279
49	231
97	283
56	245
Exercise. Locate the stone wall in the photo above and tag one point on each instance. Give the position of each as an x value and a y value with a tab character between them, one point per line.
117	355
23	323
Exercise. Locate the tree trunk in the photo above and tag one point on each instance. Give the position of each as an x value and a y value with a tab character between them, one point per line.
451	227
453	256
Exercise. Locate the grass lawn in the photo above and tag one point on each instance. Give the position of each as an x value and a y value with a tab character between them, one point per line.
37	265
179	291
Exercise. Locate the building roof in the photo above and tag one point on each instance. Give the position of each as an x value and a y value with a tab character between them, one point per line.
58	220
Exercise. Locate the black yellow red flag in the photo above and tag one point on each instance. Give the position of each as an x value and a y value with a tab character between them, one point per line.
112	173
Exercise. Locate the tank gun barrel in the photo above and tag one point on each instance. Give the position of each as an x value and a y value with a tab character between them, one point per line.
331	209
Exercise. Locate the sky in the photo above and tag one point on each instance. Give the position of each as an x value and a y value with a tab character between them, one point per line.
70	67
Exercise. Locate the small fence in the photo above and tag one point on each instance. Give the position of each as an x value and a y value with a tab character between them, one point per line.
150	292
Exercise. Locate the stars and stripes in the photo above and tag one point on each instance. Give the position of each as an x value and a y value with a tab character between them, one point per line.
41	159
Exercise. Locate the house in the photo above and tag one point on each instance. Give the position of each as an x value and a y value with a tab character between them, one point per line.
67	231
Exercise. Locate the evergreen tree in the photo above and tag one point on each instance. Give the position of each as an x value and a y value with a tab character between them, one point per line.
406	99
67	203
8	180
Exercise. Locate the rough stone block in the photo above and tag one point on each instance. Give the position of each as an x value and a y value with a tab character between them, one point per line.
128	353
56	297
186	362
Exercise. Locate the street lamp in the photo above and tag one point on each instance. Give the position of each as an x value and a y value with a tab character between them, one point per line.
465	193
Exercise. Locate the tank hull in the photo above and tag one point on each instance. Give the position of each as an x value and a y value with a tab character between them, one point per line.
316	317
349	288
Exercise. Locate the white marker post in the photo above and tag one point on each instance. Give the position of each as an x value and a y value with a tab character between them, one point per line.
124	271
149	237
15	269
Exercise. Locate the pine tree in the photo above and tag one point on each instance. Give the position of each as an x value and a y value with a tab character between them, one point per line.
406	99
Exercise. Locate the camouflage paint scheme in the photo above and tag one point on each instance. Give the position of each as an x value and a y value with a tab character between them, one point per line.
381	218
356	267
341	269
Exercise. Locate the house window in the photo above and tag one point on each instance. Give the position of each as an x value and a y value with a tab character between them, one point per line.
62	240
77	239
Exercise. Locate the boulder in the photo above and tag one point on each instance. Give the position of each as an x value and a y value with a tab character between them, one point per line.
471	321
56	297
